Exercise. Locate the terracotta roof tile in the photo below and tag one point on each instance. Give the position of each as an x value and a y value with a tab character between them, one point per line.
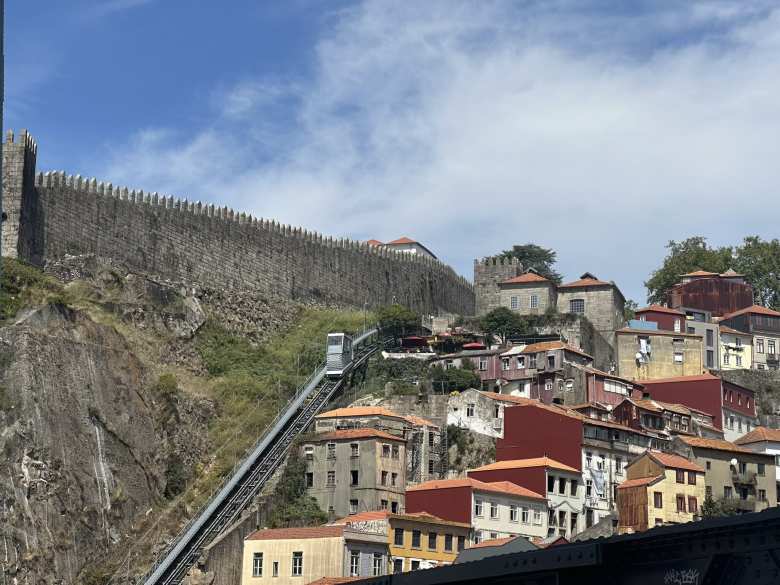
493	542
374	243
700	273
346	434
553	345
499	487
525	463
296	533
716	444
354	411
725	329
629	483
583	282
753	310
404	240
674	461
659	309
526	278
758	435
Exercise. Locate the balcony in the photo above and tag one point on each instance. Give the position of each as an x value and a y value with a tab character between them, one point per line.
772	358
749	505
746	478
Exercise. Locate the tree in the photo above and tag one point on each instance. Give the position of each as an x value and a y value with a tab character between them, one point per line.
712	508
454	379
397	319
540	259
503	323
629	309
759	261
293	508
687	256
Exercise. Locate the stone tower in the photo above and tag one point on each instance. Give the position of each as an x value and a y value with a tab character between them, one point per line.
19	159
488	272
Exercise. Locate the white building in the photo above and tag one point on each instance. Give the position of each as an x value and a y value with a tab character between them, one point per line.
479	411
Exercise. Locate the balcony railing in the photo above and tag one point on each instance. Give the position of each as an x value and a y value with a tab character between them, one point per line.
748	505
746	478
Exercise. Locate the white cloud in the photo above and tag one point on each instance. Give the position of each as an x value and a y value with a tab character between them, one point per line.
106	7
475	125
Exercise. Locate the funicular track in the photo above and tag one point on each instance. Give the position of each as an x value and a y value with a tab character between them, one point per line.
247	480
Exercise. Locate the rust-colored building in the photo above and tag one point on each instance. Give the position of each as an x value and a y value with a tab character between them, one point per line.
717	294
666	318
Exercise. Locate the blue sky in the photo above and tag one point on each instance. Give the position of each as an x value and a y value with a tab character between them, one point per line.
597	130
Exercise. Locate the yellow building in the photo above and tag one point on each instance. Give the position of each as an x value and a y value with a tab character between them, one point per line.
417	541
660	489
297	556
736	349
650	354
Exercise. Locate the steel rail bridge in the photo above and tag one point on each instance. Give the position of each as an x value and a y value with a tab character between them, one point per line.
737	550
255	470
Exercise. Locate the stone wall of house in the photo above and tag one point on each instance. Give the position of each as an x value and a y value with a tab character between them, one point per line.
544	292
603	307
56	215
661	363
488	272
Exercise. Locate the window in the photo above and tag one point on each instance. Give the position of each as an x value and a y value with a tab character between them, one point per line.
658	500
710	338
493	510
393	479
710	358
353	506
537	517
524	516
618	465
297	564
588	488
562	485
416	535
308	451
331	450
678	357
577	306
532	361
353	477
396	451
257	565
432	536
275	566
354	563
384	478
448	542
562	519
461	543
394	507
727	491
677	325
309	479
725	359
514	303
521	362
470	410
383	504
398	565
385	450
431	467
483	364
690	330
548	385
693	505
550	361
588	459
478	508
742	467
331	478
739	398
398	537
355	449
680	476
759	345
415	565
512	513
505	364
550	484
761	469
770	346
762	495
573	487
573	522
496	411
616	387
534	302
738	341
739	360
378	563
680	503
692	477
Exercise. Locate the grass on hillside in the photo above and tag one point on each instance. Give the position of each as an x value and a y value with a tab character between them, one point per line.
22	285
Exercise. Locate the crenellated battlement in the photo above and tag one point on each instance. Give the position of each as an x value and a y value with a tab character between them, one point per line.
179	238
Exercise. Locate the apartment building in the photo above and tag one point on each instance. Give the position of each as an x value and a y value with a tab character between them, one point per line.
296	556
356	470
650	353
733	473
764	325
715	294
561	483
416	540
493	509
660	489
763	440
736	349
672	419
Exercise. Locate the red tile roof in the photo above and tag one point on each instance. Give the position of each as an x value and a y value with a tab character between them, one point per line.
493	542
499	487
297	533
354	411
586	279
553	345
629	483
725	329
525	463
364	517
659	309
697	378
753	310
674	461
700	273
346	434
758	435
716	444
404	240
525	278
374	243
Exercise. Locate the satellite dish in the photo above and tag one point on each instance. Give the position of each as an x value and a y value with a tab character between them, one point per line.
609	408
733	462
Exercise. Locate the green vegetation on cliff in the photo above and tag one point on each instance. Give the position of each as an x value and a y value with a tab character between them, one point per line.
22	286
